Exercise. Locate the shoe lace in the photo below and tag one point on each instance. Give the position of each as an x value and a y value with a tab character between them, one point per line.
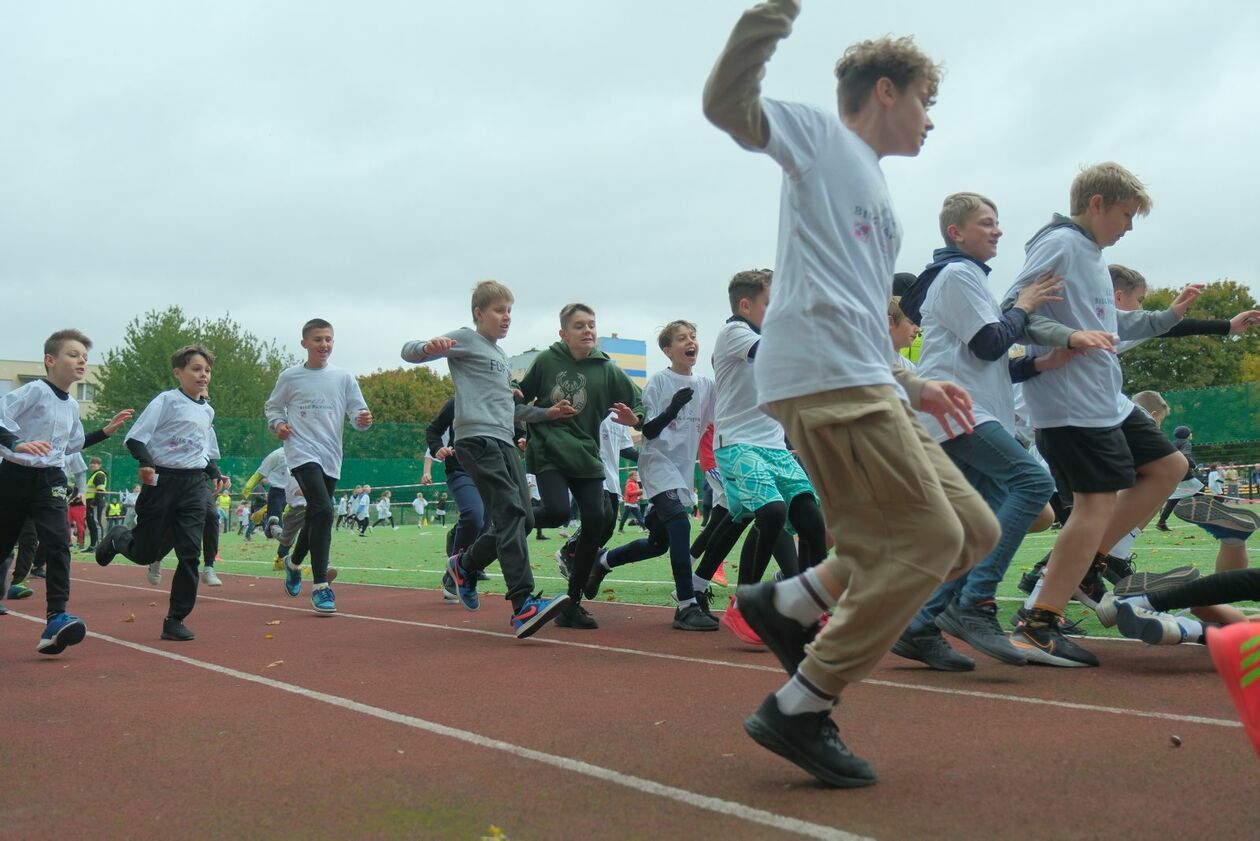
1073	627
830	734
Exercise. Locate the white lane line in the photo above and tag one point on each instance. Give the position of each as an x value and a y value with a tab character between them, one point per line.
727	808
706	661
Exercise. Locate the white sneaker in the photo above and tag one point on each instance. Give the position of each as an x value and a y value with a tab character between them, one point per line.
1106	611
155	573
1149	626
562	563
210	578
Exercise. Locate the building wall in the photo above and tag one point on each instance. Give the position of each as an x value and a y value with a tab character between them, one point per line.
15	373
629	354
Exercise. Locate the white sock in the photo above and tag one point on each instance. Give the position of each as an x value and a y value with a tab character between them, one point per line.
1036	592
1191	629
699	584
1138	601
683	605
1124	546
798	696
603	559
323	586
803	597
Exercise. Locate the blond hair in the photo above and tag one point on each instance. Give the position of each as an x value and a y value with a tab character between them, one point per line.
958	208
1152	401
894	311
897	59
1125	279
569	310
666	336
748	284
487	292
1113	183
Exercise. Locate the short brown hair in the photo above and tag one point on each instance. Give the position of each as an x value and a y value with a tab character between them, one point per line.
1152	401
666	336
54	343
748	284
958	208
487	292
898	59
568	311
1111	181
894	311
315	324
181	357
1125	279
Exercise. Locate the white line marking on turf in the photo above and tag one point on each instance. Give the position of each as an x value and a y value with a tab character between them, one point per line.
707	661
727	808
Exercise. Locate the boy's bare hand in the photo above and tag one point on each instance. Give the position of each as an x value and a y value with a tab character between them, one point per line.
945	400
1092	340
146	475
118	420
364	417
34	448
623	414
444	453
1243	322
438	344
563	409
283	431
1187	297
1043	290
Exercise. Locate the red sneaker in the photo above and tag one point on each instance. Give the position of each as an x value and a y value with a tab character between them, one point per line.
719	577
735	623
1235	651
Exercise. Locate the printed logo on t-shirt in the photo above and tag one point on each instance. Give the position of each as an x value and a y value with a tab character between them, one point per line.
570	386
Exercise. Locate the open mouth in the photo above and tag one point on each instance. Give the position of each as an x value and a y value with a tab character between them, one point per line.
690	353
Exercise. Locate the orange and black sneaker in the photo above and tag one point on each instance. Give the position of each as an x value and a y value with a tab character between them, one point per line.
1039	637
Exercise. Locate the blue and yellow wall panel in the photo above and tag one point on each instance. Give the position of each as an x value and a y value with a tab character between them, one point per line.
630	355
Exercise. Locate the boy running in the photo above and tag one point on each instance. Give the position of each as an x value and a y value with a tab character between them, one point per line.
305	411
902	515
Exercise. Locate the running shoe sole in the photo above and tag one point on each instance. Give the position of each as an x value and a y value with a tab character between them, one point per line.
1141	583
1210	511
1148	626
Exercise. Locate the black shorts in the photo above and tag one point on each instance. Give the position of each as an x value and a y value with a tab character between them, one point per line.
1106	459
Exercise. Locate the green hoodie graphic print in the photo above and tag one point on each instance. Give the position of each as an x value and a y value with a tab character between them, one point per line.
592	385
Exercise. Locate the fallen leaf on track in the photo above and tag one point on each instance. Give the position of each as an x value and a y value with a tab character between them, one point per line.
275	663
275	622
269	636
131	618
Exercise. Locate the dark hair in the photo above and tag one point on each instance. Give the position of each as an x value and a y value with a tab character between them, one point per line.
747	285
54	343
570	310
314	324
1181	432
181	357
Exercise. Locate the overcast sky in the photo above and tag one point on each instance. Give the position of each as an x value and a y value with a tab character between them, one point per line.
368	162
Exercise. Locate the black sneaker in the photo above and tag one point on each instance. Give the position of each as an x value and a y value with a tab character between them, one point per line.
596	578
106	551
1093	586
1141	583
811	742
929	647
978	627
573	615
1029	580
450	593
1162	526
174	629
692	618
782	634
1117	568
704	601
1042	642
1067	627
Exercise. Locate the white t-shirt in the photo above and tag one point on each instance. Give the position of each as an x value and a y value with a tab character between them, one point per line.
343	504
35	412
76	469
613	438
293	494
382	509
274	469
361	503
737	417
176	430
532	481
827	326
1086	391
419	504
668	462
957	306
313	401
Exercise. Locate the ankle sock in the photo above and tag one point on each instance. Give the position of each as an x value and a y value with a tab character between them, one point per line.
1124	546
699	584
1138	601
1192	629
1031	601
802	597
798	696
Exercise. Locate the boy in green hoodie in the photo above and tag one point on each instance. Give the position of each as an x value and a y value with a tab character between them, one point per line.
564	454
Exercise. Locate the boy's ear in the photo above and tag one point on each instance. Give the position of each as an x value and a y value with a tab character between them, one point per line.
1096	204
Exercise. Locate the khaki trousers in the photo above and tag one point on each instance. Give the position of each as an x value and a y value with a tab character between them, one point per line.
901	514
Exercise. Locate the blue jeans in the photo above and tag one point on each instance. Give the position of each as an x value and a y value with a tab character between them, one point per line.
1015	487
472	514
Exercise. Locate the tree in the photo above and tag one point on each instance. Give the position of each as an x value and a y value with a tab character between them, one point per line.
1195	361
405	395
245	367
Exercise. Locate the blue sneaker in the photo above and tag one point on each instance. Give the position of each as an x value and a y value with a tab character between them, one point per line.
62	630
19	590
465	584
323	600
535	613
292	579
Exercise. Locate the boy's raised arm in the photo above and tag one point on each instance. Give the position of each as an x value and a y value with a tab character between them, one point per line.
732	95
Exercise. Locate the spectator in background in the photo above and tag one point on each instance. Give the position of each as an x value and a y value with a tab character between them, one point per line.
1182	437
1216	480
